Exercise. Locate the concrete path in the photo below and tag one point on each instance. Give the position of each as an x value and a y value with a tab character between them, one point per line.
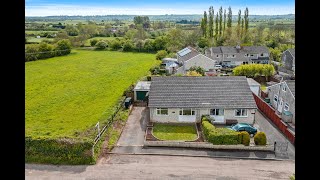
134	130
165	167
273	134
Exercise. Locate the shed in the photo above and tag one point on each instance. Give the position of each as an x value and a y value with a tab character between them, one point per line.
254	86
141	90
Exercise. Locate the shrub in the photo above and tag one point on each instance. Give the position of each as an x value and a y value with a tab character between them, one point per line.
161	54
63	47
93	42
244	138
219	135
101	45
128	46
207	118
260	138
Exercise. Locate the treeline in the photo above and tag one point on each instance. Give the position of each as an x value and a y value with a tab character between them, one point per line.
44	50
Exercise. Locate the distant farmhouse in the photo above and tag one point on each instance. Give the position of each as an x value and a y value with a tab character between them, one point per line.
229	56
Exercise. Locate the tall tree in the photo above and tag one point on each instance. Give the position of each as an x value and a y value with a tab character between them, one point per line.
211	14
204	24
246	20
220	21
242	28
239	23
217	26
229	17
224	20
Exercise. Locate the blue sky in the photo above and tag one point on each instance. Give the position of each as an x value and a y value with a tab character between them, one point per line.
153	7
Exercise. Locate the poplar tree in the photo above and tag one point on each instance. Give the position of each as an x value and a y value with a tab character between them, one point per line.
220	20
204	24
224	21
239	23
246	20
217	26
211	14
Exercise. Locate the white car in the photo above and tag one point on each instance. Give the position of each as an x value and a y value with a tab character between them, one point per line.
217	67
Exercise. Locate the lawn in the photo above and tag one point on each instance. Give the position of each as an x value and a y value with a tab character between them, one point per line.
175	132
87	43
66	95
38	40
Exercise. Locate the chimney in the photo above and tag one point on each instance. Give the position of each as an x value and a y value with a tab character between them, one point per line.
238	47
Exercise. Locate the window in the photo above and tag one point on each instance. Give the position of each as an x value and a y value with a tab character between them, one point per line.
216	112
275	98
186	112
284	88
241	113
252	55
286	106
217	55
162	111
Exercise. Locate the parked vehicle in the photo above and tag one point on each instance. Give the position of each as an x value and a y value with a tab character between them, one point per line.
243	127
217	67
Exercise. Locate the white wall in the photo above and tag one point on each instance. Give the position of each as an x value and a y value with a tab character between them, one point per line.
201	61
230	114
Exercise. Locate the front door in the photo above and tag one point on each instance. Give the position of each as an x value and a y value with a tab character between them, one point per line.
280	106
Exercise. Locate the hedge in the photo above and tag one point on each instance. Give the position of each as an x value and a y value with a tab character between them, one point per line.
219	136
59	151
244	138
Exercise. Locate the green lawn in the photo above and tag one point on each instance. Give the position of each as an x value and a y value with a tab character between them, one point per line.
87	43
175	132
66	95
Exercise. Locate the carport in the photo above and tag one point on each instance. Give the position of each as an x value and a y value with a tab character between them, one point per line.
141	89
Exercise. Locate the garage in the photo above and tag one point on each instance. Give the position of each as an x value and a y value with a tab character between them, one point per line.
141	90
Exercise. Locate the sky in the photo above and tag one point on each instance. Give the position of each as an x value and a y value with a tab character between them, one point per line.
153	7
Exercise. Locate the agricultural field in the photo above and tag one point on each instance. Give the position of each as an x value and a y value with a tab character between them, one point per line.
64	96
38	40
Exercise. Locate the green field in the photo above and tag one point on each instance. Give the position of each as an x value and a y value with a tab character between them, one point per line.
175	132
87	43
38	40
64	96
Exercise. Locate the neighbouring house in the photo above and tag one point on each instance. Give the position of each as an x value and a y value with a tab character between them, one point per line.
184	99
230	56
282	99
141	90
170	65
288	62
38	37
189	57
254	86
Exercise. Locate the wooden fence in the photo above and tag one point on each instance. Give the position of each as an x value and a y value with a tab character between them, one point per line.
276	119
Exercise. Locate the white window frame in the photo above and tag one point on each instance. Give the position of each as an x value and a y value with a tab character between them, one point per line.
159	110
284	88
241	113
193	112
215	110
286	106
275	97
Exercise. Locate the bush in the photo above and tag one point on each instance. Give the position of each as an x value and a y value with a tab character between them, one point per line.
93	42
207	117
260	138
128	46
115	44
244	138
161	54
101	45
63	47
219	136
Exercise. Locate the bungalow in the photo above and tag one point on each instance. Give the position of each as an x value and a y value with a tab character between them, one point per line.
175	99
189	57
282	98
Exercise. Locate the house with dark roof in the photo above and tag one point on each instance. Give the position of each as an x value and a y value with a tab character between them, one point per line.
175	99
288	59
189	57
231	56
282	99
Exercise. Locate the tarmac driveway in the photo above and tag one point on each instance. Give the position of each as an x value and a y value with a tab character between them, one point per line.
134	130
273	134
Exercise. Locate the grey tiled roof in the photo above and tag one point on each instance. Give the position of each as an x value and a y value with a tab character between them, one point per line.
254	49
293	52
292	87
201	92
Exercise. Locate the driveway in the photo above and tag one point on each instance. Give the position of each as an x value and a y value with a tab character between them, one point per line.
273	134
132	136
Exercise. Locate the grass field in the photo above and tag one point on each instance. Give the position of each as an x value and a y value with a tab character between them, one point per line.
39	32
87	43
175	132
38	40
66	95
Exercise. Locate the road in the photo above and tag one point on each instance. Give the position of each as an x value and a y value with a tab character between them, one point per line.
166	167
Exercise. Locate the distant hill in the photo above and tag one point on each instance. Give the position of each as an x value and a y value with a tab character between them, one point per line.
173	17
